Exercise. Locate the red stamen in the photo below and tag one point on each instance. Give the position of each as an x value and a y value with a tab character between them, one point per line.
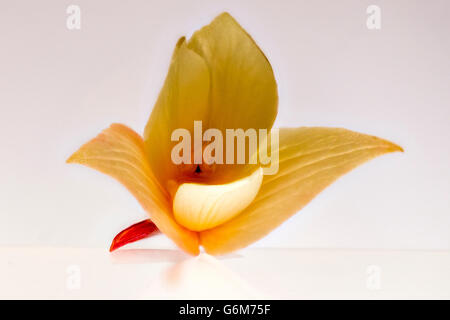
138	231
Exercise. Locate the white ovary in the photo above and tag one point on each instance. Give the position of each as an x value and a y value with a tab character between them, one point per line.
200	207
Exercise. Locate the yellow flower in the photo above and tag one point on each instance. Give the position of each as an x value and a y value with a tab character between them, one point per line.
223	79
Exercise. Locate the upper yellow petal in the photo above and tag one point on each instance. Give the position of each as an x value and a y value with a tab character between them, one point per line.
243	88
220	77
310	160
119	152
182	100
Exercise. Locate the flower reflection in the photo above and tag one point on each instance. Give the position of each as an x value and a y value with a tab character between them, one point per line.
186	277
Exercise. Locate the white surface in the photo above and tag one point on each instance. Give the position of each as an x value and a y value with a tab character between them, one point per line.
60	88
256	273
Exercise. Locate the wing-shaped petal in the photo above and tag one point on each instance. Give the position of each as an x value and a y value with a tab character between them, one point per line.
243	88
182	100
119	152
310	159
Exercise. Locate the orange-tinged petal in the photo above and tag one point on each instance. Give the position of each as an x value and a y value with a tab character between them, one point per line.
119	152
182	100
243	88
310	159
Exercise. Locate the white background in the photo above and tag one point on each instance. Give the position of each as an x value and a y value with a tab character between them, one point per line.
59	88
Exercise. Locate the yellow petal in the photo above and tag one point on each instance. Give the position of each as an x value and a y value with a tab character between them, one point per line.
199	207
182	100
243	88
119	152
310	160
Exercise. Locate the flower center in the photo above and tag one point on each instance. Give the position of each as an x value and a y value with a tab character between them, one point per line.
199	206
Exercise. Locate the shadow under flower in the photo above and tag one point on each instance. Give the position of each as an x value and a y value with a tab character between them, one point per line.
138	256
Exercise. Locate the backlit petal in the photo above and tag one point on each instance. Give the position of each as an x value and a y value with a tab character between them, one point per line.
182	100
310	160
221	78
243	88
119	152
